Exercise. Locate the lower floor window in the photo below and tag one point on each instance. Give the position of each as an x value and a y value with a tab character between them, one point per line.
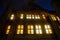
20	29
38	29
31	29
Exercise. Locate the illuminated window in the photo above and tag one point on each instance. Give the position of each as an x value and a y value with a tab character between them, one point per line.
38	29
21	16
12	17
28	16
53	18
48	29
8	29
43	16
30	29
37	17
58	18
20	29
32	16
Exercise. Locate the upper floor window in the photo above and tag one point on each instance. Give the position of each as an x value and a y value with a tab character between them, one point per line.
37	17
43	16
53	18
29	16
12	17
21	16
58	18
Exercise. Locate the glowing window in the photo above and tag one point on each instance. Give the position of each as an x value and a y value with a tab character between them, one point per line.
43	16
58	18
48	29
38	29
21	16
20	29
32	16
37	17
53	18
30	29
12	17
28	16
8	29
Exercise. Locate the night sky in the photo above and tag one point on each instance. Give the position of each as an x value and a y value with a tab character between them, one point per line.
46	4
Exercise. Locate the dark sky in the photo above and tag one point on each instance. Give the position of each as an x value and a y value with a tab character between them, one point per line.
46	4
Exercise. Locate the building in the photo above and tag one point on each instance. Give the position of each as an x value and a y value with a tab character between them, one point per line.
30	25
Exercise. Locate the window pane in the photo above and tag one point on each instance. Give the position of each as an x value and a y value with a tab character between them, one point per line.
38	29
28	16
53	18
20	29
36	17
21	16
32	16
58	18
48	29
29	32
30	29
12	17
8	29
7	32
43	16
18	26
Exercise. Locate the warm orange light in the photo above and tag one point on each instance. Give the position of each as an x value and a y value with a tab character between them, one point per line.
21	16
43	16
33	17
58	18
7	32
38	29
8	29
48	29
12	17
28	16
37	17
20	29
30	29
53	18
